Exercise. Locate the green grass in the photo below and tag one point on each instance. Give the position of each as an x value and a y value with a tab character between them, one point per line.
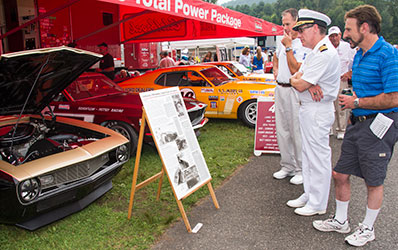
226	144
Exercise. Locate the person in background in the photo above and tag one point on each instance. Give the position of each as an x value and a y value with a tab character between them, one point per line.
245	57
207	57
317	82
107	65
346	55
287	59
365	151
165	60
258	61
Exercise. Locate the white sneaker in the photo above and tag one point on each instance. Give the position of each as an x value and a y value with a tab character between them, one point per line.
331	225
297	179
307	211
340	135
296	203
281	174
361	236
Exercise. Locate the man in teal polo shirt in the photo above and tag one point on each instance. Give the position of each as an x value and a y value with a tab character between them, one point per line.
369	140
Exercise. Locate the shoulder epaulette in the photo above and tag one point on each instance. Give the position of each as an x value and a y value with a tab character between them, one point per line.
323	48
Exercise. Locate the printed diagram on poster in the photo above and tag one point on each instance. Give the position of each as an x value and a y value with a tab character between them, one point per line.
176	140
265	140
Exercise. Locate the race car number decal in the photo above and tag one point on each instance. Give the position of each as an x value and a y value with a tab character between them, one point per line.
188	93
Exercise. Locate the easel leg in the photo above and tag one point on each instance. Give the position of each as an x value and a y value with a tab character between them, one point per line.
160	184
213	195
137	164
184	216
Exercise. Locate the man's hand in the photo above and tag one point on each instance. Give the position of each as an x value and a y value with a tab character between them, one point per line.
287	39
346	76
316	93
347	101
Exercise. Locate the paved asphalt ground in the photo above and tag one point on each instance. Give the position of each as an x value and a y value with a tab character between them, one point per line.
253	213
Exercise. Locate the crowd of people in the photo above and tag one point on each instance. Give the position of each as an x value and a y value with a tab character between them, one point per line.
312	68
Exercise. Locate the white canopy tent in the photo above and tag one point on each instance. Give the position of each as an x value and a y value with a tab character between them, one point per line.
211	44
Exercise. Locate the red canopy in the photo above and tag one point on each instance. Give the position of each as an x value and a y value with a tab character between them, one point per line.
173	20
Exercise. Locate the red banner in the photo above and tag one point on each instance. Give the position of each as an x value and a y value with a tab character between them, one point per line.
152	24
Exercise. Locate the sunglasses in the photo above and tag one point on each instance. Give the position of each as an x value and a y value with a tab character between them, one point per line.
302	28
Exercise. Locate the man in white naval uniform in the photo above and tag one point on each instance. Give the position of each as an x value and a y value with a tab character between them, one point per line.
287	60
346	55
318	83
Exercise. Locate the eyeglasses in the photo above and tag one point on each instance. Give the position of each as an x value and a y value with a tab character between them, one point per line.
302	28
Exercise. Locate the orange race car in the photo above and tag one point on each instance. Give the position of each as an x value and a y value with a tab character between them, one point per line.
225	96
237	70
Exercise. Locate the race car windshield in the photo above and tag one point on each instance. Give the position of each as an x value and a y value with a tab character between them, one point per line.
88	87
216	76
239	69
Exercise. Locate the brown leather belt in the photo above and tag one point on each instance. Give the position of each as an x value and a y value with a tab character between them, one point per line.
285	85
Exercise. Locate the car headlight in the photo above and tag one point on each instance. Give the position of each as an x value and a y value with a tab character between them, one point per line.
29	189
46	180
122	153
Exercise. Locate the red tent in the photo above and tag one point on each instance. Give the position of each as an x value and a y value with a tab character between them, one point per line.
172	20
89	22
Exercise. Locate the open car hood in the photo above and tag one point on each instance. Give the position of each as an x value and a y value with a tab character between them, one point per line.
54	69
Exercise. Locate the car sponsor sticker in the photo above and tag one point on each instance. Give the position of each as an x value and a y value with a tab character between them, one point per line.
222	98
257	92
213	97
213	105
239	99
186	92
64	106
207	90
230	91
138	90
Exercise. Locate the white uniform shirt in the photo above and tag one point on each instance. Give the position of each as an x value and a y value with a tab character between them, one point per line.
299	52
346	55
322	67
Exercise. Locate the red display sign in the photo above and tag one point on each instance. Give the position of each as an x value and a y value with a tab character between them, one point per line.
265	140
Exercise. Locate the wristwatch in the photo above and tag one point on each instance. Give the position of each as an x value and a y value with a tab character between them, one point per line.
288	49
356	103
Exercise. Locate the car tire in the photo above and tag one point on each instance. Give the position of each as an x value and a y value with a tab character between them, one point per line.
248	113
127	131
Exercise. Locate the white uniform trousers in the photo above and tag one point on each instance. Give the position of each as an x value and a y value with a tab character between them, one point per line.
340	123
288	128
315	122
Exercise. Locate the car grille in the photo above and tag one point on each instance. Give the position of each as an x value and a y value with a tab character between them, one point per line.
74	172
196	116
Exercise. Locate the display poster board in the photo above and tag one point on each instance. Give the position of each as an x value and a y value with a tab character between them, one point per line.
176	140
265	140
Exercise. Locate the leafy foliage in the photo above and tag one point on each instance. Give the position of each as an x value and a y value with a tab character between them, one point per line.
335	9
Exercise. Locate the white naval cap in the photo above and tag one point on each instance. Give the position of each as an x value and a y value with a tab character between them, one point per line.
334	30
311	17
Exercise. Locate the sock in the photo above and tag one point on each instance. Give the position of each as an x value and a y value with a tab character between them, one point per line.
341	211
370	217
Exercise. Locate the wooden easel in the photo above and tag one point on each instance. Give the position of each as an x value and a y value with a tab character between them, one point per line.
135	187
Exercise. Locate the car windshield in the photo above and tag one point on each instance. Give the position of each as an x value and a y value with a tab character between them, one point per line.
86	87
239	69
216	76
